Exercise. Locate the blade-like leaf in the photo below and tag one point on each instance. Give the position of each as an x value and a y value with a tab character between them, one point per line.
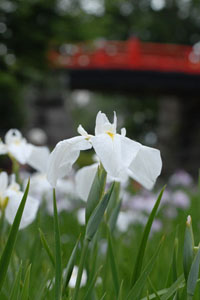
16	286
179	284
113	265
43	286
114	215
142	248
173	288
25	289
7	252
188	253
193	275
96	191
120	294
153	288
172	276
92	284
103	297
58	268
46	247
114	199
97	215
70	266
139	285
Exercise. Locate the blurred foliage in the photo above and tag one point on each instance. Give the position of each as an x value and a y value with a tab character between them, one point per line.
28	28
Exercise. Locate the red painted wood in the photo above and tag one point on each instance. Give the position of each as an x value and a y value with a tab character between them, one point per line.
128	55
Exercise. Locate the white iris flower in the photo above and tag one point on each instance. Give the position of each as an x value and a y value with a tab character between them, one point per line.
121	156
118	154
16	146
10	198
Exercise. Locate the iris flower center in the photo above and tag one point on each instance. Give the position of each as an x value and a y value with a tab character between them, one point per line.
111	134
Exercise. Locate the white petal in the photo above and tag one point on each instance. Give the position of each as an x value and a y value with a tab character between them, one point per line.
12	136
84	179
20	151
3	148
146	166
72	281
109	152
101	120
38	158
129	150
3	181
82	131
30	209
123	131
63	156
116	154
17	146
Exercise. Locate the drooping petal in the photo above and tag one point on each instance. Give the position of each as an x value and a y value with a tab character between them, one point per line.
84	179
129	150
63	156
30	210
116	153
146	166
3	181
38	158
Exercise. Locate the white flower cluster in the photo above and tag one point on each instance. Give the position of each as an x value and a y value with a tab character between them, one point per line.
120	156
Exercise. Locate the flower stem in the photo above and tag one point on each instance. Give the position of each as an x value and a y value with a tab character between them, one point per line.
80	269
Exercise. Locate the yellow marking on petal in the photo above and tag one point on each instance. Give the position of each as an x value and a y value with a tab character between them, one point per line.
110	134
17	142
3	202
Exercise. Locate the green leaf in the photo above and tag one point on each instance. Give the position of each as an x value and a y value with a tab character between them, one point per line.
114	215
70	266
170	291
80	268
193	275
148	295
113	265
46	247
92	284
103	297
25	289
172	276
96	191
153	288
43	286
142	248
139	285
173	288
114	199
7	252
188	253
58	269
120	294
97	215
16	286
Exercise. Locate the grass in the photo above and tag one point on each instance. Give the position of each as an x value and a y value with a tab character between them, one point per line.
29	251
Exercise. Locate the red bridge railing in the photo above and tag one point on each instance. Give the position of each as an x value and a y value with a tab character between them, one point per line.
127	55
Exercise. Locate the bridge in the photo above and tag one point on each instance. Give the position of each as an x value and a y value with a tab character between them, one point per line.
131	66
